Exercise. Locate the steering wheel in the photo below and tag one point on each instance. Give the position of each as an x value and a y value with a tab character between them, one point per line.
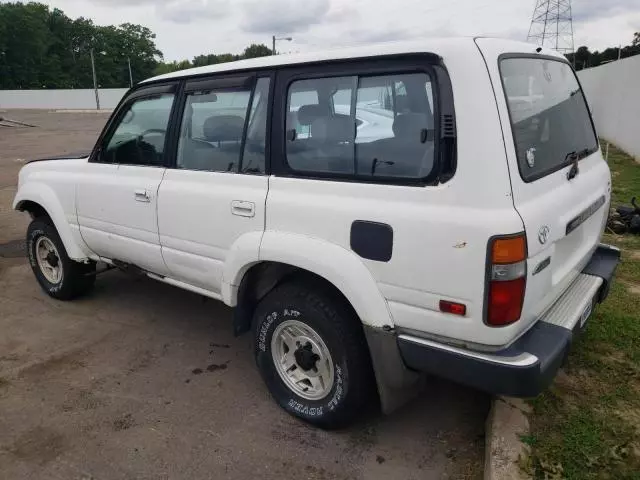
150	131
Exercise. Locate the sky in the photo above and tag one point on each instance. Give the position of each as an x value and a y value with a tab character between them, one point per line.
186	28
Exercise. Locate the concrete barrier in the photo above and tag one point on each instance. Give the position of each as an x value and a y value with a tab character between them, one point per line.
78	99
613	92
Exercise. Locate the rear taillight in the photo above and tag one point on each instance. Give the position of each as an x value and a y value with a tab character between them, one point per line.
507	279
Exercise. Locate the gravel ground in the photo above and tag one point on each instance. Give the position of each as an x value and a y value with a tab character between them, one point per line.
142	380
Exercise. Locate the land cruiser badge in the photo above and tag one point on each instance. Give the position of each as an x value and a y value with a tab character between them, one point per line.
531	157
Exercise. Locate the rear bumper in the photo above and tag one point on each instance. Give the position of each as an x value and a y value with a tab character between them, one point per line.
529	365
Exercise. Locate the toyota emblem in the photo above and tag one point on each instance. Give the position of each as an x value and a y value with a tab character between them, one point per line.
543	235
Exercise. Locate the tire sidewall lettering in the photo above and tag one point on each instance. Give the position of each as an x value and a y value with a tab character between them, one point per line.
290	401
264	330
33	236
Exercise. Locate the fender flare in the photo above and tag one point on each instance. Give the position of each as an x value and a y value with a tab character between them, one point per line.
337	265
44	196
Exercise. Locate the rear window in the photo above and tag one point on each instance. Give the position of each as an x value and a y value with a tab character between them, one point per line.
549	115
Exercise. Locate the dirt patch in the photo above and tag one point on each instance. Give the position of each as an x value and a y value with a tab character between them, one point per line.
80	400
13	249
215	367
633	288
123	423
65	362
40	445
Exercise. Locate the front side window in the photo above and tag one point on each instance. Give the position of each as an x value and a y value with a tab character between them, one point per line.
549	116
363	126
140	134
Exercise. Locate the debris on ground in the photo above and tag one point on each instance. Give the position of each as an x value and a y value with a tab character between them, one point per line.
625	219
7	122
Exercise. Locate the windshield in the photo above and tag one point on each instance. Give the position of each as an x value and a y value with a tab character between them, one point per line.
549	115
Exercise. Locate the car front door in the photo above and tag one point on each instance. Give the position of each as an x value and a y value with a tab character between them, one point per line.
117	199
215	195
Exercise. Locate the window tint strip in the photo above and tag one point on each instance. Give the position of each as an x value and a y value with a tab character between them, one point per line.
247	117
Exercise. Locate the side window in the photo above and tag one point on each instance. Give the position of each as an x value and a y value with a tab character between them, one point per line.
140	134
319	110
302	94
212	130
390	133
253	160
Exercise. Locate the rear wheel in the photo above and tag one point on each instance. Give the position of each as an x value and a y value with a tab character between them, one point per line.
58	275
312	355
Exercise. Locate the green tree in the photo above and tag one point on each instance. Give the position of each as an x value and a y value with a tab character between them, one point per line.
255	50
636	40
174	66
25	44
43	48
202	60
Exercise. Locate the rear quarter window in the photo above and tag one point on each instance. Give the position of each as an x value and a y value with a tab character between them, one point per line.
550	119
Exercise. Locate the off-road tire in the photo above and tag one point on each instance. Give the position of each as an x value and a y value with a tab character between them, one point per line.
340	329
77	278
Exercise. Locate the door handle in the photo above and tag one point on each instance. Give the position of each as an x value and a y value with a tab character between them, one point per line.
142	196
243	209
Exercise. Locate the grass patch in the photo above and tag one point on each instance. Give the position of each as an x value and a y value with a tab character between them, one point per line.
626	176
587	424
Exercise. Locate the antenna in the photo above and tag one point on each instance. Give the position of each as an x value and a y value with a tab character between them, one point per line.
552	25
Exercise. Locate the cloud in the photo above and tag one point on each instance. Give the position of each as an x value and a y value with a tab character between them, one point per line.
186	28
586	10
188	11
178	11
377	36
129	3
283	16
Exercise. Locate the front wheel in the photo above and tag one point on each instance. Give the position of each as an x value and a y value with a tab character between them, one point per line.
58	275
312	355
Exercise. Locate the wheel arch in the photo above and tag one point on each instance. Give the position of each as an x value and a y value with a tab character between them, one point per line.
329	266
41	200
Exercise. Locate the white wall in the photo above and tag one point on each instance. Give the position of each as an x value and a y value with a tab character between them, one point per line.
79	99
613	92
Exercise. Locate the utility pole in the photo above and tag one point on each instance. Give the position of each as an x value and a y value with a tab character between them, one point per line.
130	74
95	80
552	25
273	42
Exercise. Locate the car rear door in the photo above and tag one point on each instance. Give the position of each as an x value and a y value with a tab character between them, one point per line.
561	185
214	194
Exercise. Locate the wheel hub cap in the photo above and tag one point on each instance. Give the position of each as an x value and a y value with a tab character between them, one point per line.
305	358
48	260
302	360
52	259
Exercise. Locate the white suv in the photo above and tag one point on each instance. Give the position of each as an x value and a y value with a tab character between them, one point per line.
372	214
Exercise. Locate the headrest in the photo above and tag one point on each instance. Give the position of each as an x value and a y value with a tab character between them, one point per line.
308	113
223	128
410	126
334	129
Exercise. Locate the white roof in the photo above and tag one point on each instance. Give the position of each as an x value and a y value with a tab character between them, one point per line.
438	46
